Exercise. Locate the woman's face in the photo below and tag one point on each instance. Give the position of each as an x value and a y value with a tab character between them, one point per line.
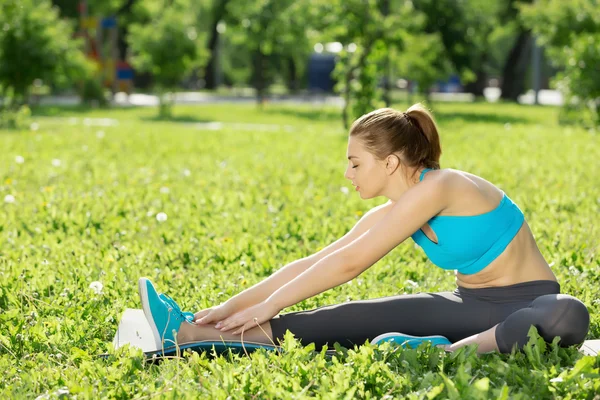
364	171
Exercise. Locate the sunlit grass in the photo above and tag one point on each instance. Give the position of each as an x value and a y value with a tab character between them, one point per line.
93	199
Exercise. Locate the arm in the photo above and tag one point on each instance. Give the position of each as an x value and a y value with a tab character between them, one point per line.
262	290
417	206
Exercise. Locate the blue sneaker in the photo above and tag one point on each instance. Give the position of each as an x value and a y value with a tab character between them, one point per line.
169	301
164	316
409	340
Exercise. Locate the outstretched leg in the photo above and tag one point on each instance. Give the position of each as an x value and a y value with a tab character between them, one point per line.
352	323
195	333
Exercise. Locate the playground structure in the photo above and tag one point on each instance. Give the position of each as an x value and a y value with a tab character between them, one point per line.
100	36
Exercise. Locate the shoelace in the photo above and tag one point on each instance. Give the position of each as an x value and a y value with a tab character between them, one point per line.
188	316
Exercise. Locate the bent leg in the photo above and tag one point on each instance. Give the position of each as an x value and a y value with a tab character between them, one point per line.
485	341
553	315
353	322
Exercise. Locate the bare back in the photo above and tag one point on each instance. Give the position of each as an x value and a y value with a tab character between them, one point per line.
521	261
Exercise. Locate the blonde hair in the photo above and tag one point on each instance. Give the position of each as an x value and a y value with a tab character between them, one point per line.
413	133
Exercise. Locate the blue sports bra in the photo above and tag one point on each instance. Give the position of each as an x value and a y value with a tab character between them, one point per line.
468	244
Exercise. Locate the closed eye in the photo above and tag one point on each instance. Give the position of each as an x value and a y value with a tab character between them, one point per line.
355	166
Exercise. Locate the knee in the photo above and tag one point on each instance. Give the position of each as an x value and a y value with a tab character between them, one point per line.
564	316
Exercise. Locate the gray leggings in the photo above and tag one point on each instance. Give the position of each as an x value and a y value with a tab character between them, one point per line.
455	315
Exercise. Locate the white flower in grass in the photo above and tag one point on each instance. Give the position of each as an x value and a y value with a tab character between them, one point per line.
34	126
100	134
411	283
186	172
161	217
9	198
19	160
56	162
96	287
344	190
164	190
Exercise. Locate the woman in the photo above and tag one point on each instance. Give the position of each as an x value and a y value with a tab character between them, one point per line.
462	222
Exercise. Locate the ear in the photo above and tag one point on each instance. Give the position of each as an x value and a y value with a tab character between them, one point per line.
392	162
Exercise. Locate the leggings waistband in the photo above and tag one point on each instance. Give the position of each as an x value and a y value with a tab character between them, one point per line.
518	292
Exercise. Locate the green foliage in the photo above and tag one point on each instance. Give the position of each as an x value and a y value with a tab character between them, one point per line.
570	33
424	61
11	118
169	47
464	28
36	44
92	92
263	37
374	32
242	203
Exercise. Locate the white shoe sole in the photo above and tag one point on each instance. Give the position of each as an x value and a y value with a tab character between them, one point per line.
143	291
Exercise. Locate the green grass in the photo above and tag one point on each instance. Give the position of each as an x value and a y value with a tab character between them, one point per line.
241	203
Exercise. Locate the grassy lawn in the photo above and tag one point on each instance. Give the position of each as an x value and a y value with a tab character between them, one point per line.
245	193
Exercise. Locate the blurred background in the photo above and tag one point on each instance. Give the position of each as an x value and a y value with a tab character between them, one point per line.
360	54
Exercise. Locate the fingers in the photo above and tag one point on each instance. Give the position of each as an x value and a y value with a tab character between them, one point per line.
229	324
205	318
244	328
240	324
201	314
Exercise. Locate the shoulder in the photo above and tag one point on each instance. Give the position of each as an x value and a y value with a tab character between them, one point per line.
449	180
438	180
465	192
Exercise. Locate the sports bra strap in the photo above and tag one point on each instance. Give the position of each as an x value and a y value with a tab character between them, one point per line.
424	172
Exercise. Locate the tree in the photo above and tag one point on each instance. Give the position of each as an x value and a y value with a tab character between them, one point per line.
464	28
423	61
36	44
570	32
517	61
369	30
274	35
169	47
219	14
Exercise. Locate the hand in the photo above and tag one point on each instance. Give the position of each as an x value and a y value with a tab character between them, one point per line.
249	318
213	315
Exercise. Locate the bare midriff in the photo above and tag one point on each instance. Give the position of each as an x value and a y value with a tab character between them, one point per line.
521	261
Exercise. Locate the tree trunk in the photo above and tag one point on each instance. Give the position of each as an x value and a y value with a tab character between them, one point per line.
384	8
292	81
476	87
210	73
513	74
124	11
259	76
360	64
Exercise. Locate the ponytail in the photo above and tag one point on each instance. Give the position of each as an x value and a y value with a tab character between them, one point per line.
423	121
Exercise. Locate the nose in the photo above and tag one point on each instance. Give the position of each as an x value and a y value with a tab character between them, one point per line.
348	172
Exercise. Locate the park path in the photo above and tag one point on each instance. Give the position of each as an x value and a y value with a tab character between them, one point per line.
546	97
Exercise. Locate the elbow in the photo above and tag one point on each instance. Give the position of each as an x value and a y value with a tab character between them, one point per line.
352	266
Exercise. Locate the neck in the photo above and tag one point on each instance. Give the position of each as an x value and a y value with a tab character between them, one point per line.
399	183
